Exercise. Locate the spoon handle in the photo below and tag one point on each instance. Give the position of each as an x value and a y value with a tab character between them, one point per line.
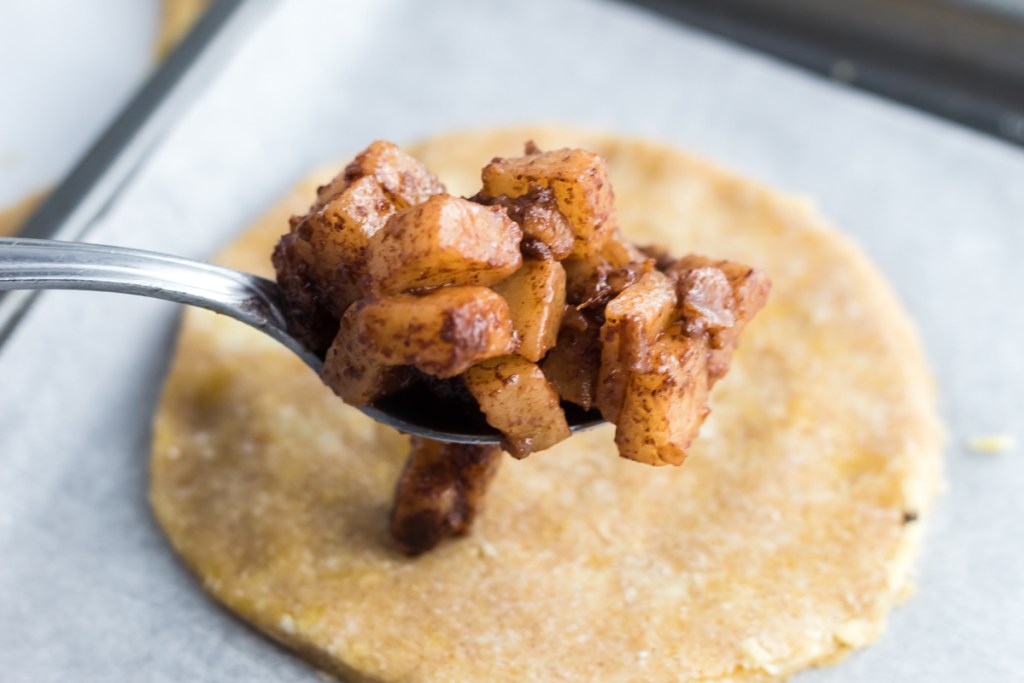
49	264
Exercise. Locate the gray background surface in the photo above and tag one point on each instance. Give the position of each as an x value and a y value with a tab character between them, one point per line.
89	590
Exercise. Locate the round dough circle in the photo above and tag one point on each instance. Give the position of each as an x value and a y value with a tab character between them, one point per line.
782	542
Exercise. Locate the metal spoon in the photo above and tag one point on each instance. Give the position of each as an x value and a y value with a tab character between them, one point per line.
255	301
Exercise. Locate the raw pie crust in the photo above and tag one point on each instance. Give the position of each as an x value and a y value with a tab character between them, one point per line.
782	542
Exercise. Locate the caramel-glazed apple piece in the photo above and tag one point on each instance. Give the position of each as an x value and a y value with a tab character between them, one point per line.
405	180
517	400
536	299
439	492
579	181
442	333
444	241
633	322
664	407
349	371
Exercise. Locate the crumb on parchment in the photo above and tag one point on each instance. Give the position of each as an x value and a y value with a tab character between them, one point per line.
992	443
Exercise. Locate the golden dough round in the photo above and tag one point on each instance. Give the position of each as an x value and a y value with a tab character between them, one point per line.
781	543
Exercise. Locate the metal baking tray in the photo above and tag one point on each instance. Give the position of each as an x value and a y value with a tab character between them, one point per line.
89	589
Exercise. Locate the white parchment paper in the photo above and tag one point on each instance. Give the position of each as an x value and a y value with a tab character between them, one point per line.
89	590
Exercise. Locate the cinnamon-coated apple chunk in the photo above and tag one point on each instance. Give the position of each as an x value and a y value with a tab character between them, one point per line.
338	233
633	322
352	374
536	299
579	181
442	333
320	263
517	400
440	491
663	408
748	293
404	179
340	229
444	241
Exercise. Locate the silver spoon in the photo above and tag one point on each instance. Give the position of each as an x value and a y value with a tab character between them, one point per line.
253	300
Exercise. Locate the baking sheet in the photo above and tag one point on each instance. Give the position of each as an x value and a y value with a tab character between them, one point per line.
89	590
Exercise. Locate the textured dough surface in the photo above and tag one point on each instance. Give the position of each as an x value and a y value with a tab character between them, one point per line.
781	543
